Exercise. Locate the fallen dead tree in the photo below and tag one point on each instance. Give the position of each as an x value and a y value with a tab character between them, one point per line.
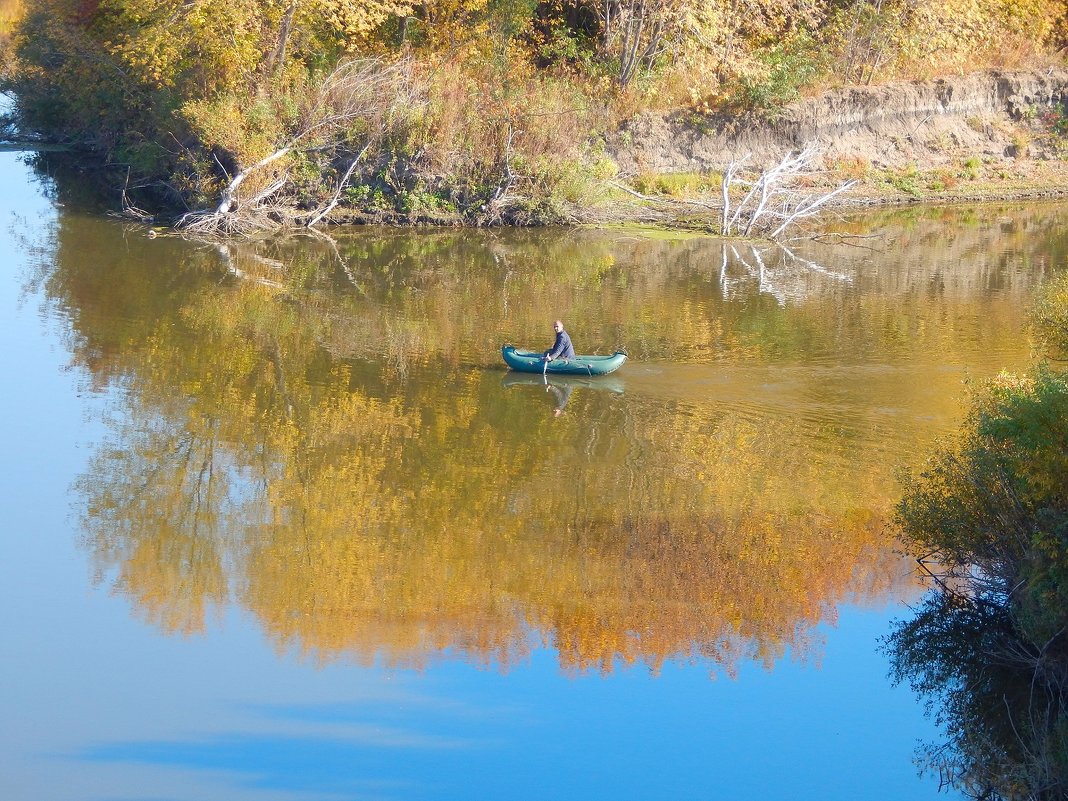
762	203
355	108
775	199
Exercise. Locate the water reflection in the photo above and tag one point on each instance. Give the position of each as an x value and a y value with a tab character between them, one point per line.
776	270
318	432
559	388
987	649
1000	698
354	750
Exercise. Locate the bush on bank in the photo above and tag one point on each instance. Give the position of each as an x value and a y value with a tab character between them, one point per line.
509	99
989	517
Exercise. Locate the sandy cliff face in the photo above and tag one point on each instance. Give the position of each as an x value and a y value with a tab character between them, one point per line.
926	123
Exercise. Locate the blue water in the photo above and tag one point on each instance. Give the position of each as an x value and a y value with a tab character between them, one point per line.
96	705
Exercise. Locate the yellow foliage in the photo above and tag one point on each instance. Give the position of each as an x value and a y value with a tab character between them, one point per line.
266	454
11	14
226	121
935	35
349	23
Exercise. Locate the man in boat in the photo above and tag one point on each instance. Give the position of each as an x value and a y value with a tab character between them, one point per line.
562	347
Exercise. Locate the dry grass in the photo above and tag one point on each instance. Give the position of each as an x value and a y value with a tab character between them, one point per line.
11	11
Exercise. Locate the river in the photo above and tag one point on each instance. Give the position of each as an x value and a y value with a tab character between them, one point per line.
281	526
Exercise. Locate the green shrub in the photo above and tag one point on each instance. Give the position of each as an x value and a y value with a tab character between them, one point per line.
676	184
784	70
906	180
971	168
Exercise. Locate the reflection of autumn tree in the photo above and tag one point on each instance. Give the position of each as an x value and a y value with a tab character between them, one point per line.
684	300
441	519
232	436
310	440
489	541
156	521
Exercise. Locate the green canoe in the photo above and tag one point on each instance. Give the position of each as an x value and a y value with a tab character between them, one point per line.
527	361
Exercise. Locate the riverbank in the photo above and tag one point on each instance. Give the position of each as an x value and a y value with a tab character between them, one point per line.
1029	180
486	116
985	136
990	136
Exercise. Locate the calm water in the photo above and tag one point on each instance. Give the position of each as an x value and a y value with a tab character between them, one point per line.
280	526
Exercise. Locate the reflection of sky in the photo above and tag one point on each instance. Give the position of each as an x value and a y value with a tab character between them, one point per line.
173	730
96	705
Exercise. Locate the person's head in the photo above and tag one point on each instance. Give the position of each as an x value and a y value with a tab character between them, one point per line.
558	326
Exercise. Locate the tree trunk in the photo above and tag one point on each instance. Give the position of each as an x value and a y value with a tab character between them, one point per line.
277	56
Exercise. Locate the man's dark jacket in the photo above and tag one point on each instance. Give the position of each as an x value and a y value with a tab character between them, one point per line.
562	348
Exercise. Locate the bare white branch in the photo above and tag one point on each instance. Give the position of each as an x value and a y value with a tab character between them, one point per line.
340	188
773	201
361	99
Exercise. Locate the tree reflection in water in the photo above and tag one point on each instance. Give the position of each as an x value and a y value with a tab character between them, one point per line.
1000	698
329	445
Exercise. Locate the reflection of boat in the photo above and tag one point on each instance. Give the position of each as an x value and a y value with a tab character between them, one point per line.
526	361
612	384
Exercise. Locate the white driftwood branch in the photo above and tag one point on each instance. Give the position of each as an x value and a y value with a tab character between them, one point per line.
379	96
772	196
340	188
772	180
667	201
227	201
730	175
638	195
809	208
265	193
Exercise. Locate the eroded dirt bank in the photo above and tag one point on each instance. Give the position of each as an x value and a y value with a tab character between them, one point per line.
985	134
